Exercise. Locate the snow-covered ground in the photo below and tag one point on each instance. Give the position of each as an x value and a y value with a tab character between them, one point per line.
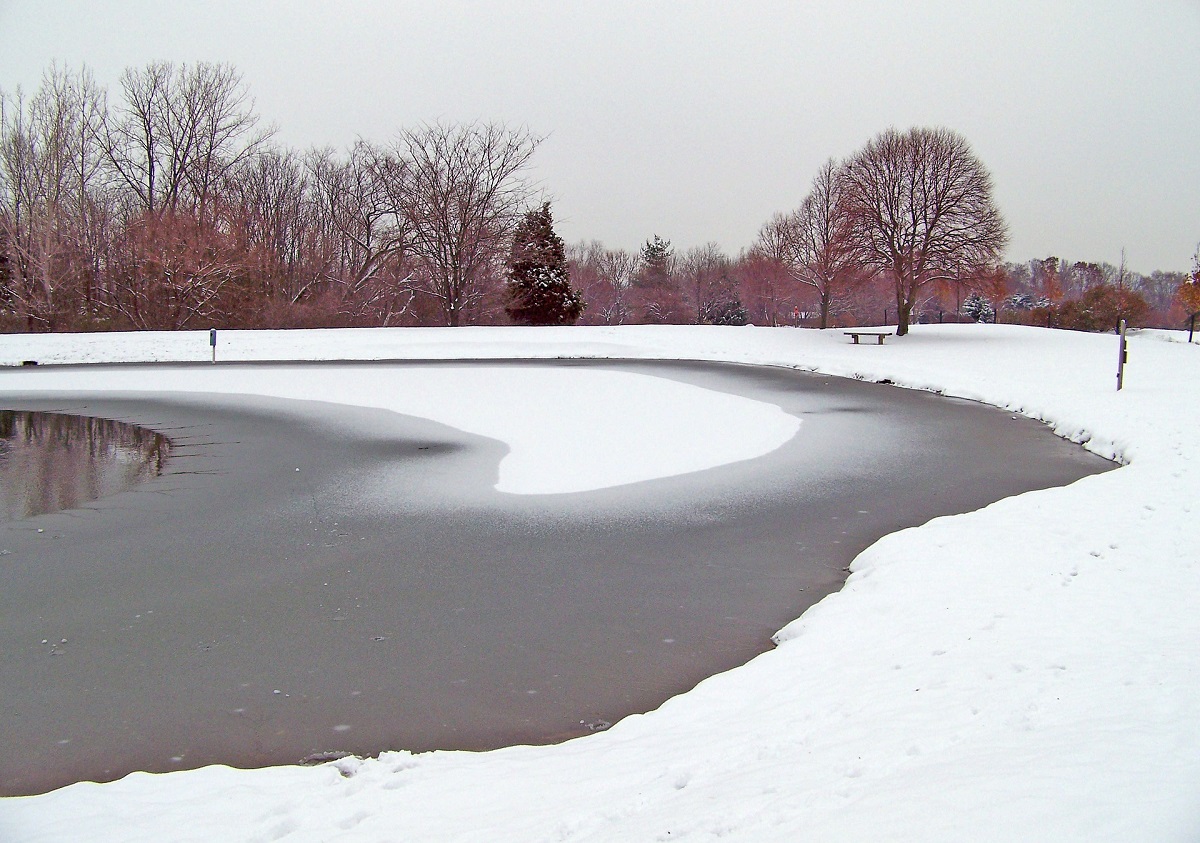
1026	672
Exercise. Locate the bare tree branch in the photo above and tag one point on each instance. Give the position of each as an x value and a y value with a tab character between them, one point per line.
920	211
463	195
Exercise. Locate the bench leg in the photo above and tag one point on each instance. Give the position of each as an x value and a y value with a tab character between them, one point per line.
854	338
880	338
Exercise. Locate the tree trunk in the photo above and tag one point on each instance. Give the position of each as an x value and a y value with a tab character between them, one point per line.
903	312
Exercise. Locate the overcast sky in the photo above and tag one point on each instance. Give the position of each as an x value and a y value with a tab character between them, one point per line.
697	121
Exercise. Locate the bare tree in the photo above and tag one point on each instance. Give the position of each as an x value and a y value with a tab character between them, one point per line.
271	193
212	126
267	202
813	242
24	221
707	274
464	192
363	200
178	131
48	195
618	268
582	260
920	209
1159	290
765	287
604	276
172	271
132	137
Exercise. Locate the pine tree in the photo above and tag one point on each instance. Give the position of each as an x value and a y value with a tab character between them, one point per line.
657	297
977	308
729	311
539	283
655	270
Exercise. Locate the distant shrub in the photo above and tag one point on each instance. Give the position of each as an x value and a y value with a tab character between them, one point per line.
978	309
1101	308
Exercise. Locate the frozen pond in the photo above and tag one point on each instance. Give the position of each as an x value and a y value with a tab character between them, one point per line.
305	578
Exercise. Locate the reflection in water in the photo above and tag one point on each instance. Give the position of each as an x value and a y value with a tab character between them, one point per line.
51	461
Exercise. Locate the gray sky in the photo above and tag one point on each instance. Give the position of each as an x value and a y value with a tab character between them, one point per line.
697	121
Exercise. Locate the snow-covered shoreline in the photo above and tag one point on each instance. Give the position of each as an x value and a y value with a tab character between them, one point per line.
1027	671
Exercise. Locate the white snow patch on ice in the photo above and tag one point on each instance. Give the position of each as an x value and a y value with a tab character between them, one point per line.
567	431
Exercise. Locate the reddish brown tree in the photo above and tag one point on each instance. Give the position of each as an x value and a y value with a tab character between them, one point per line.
813	243
360	201
765	287
1188	293
1047	283
920	210
463	194
993	285
50	203
617	267
174	270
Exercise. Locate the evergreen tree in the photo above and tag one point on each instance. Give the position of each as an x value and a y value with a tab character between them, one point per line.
539	283
727	312
657	298
977	308
655	270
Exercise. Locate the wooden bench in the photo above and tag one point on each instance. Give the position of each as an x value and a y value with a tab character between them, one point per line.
879	335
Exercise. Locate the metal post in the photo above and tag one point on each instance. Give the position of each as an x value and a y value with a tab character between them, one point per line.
1191	328
1121	359
212	340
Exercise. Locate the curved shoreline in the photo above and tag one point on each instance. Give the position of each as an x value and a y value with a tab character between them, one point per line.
707	529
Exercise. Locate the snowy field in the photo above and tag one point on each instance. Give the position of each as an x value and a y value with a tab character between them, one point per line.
1029	671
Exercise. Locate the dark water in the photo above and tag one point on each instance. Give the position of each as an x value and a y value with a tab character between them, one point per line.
306	578
52	461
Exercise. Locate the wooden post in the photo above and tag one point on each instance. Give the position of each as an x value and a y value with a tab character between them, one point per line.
1121	358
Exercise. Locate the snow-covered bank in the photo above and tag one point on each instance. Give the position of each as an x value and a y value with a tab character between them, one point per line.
1026	672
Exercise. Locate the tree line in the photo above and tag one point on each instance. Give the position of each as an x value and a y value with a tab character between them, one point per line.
167	204
171	207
